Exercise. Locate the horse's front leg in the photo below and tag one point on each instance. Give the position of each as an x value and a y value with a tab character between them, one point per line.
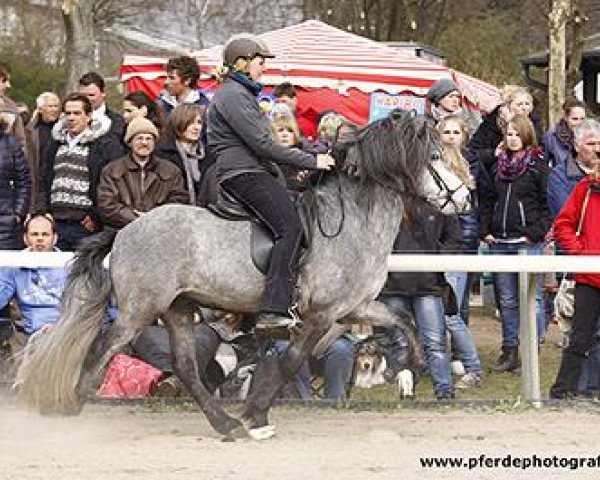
271	373
178	320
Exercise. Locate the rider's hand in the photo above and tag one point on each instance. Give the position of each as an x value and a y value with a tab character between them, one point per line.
325	161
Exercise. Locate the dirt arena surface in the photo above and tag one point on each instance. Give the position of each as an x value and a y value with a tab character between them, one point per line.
133	442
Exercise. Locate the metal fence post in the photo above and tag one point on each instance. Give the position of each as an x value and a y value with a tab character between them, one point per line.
530	372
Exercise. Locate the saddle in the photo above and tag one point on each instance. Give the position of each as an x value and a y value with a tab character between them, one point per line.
226	206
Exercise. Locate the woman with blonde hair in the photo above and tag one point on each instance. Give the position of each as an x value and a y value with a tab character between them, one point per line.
454	133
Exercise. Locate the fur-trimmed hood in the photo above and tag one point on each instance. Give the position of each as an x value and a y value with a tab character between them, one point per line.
99	126
194	96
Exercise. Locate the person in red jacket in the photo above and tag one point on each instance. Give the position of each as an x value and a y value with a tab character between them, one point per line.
587	287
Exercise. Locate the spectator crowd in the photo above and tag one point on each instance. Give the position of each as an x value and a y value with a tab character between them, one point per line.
75	166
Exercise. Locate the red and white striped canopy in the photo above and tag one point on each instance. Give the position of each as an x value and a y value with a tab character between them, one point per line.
315	55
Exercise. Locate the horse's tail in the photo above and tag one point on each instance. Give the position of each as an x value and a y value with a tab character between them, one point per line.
52	362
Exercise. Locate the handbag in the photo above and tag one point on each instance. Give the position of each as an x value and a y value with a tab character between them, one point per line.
564	301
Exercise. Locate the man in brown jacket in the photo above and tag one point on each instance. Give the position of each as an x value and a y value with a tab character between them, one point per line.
133	185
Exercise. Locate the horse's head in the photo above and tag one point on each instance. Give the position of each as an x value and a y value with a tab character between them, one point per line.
391	153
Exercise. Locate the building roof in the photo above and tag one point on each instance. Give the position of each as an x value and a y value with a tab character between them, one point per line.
591	49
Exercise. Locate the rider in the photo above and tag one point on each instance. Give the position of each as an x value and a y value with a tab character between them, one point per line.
239	136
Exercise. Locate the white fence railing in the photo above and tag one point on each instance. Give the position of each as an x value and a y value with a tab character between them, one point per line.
526	265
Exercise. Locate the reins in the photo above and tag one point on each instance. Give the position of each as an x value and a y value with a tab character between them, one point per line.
341	203
443	186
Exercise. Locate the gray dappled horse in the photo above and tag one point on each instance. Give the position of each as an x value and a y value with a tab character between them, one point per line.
177	256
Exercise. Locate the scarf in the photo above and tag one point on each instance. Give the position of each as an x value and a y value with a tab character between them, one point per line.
564	133
510	167
191	161
247	82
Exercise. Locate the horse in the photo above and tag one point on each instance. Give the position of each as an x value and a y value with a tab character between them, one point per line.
176	257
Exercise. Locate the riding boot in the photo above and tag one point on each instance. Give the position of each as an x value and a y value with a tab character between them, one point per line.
508	360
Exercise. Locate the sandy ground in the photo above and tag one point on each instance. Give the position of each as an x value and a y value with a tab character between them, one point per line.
132	442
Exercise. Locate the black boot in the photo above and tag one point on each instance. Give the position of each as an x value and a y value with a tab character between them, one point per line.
508	360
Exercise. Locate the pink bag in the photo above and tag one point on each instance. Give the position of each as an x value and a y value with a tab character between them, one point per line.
128	377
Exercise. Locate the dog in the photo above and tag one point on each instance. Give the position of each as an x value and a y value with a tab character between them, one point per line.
370	367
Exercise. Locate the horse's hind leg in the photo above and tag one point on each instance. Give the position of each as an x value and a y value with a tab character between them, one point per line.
178	320
129	323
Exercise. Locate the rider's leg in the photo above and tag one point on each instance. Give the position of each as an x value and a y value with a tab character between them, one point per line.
269	201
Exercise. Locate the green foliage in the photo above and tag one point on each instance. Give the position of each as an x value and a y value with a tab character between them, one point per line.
31	76
485	47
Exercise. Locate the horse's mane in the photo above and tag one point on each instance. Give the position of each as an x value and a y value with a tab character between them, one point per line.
391	153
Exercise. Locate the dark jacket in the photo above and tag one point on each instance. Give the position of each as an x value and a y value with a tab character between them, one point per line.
124	187
38	148
561	182
238	133
117	123
15	191
557	150
483	143
103	147
519	208
427	231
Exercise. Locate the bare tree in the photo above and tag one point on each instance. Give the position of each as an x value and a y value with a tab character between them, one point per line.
578	21
79	39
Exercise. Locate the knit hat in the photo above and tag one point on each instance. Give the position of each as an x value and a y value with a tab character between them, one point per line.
440	89
140	125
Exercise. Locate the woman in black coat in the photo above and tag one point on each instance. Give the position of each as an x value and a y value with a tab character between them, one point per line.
425	230
515	218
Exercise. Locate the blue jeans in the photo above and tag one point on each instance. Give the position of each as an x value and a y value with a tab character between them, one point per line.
459	332
335	366
469	227
506	286
428	312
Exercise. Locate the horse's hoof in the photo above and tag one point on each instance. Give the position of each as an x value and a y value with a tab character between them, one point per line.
262	433
236	434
